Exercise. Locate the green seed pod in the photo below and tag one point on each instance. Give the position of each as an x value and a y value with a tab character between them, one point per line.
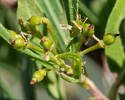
47	43
35	20
19	43
109	39
88	30
38	76
15	34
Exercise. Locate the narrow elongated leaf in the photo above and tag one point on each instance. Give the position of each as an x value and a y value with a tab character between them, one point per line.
87	12
4	85
7	89
52	82
71	8
115	53
26	71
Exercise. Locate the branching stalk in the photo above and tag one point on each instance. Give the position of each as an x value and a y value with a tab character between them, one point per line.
79	43
96	46
92	89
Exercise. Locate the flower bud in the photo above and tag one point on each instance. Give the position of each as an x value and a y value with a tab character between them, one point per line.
35	20
38	76
77	27
47	43
109	39
88	30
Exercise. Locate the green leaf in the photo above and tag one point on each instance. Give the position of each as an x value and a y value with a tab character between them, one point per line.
115	53
6	87
71	9
84	11
53	11
6	35
26	75
28	8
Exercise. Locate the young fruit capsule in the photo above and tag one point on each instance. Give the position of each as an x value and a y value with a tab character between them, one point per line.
38	76
47	43
19	43
109	39
35	20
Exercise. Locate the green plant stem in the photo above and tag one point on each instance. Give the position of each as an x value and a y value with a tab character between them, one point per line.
87	84
67	78
96	46
49	27
74	42
82	38
113	91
